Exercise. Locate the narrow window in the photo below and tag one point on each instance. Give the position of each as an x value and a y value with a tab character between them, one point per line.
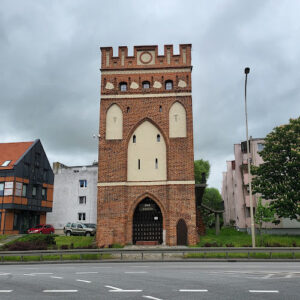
81	217
1	188
123	86
146	84
158	138
156	163
169	85
128	109
33	191
134	139
139	164
44	193
160	108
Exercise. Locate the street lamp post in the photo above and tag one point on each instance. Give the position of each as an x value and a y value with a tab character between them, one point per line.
247	71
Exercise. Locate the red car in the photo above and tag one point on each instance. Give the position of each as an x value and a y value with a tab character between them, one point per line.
45	229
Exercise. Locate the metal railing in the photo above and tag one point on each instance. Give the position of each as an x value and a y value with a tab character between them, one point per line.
163	254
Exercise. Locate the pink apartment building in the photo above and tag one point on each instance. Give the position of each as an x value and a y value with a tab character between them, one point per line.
235	191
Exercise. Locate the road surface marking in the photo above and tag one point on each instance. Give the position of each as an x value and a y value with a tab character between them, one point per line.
139	267
86	281
193	291
86	272
33	274
141	272
150	297
3	274
268	276
118	290
57	277
6	291
263	291
60	291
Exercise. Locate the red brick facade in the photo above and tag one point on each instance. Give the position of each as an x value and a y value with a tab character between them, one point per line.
117	200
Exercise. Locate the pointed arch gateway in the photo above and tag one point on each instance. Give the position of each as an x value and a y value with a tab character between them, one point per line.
147	225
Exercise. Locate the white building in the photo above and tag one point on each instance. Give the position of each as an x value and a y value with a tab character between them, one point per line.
75	195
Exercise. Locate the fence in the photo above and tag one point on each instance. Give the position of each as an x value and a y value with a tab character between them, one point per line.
139	254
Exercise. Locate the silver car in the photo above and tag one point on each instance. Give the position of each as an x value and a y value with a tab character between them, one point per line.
78	229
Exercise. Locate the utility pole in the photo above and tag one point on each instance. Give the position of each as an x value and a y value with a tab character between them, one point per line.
247	71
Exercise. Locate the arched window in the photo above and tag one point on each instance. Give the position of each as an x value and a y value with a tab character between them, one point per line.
123	86
128	109
169	85
156	163
160	108
158	138
134	139
146	84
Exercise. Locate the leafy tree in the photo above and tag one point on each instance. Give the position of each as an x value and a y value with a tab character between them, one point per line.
278	178
213	199
263	213
201	166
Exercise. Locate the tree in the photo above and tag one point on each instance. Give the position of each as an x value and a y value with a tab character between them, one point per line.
212	199
201	166
263	213
278	178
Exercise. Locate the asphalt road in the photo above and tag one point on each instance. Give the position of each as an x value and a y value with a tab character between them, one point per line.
180	280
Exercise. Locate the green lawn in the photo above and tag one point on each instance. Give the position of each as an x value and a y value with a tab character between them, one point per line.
230	237
77	241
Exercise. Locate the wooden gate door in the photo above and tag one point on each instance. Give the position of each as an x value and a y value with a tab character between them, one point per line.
181	229
147	222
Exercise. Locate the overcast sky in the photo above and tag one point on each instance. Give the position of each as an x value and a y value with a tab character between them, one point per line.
50	59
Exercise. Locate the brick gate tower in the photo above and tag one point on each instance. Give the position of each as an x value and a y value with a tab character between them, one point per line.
146	188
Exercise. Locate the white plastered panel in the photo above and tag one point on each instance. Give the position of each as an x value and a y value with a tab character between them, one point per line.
177	121
147	149
114	123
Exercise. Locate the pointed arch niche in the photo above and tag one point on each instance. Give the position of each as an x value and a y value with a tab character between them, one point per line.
147	157
177	121
114	123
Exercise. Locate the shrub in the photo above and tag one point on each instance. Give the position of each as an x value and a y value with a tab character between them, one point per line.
23	246
229	245
64	247
213	244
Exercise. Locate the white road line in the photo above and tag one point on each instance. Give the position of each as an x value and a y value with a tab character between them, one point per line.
118	290
138	266
141	272
56	277
192	291
6	291
86	281
153	298
60	291
33	274
263	291
268	276
86	272
3	274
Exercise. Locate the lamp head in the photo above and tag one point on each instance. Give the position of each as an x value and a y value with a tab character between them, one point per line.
247	70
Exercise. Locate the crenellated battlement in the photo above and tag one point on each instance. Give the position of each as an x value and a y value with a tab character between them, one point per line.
145	57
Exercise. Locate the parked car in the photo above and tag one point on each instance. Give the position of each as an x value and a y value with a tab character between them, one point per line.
91	225
42	229
78	229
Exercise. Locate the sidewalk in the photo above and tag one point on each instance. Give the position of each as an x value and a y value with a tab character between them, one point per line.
9	239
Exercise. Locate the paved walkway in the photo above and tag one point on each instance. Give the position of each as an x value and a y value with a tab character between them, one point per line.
9	239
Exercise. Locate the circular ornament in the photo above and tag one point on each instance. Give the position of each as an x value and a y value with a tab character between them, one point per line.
146	57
